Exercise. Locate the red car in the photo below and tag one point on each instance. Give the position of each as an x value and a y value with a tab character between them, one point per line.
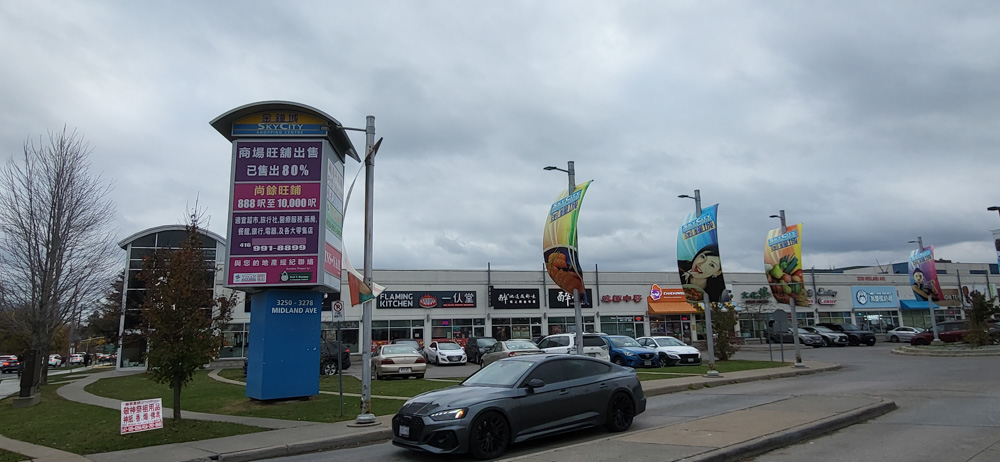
948	331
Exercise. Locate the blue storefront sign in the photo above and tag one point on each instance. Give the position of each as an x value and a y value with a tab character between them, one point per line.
874	297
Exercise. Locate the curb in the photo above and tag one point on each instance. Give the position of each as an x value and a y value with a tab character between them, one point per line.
714	382
306	447
968	352
785	438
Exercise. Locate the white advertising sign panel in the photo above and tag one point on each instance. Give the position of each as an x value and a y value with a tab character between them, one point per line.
139	416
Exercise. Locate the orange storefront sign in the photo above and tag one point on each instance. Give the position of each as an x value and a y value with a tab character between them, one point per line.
668	300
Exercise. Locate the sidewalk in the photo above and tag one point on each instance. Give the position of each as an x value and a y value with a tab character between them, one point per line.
745	432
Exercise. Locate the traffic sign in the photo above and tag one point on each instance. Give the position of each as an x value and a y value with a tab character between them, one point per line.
338	310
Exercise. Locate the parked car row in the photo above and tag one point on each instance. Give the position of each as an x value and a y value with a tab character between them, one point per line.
9	363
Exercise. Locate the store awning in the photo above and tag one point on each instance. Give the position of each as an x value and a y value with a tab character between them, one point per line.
668	300
915	305
671	308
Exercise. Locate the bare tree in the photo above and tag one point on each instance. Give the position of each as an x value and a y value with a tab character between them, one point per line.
56	249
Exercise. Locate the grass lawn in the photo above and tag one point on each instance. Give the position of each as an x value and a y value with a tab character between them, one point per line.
732	365
391	387
84	429
205	394
7	456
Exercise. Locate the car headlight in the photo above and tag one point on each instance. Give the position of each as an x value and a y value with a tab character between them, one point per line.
451	414
673	356
628	353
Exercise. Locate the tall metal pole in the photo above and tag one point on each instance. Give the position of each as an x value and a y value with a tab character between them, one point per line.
791	306
930	303
366	417
577	309
707	304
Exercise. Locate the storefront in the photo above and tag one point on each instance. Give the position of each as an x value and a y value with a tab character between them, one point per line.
632	326
457	329
567	324
235	340
349	333
876	308
670	313
516	328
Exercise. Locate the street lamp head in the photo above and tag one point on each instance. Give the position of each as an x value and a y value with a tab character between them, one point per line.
685	195
912	242
993	208
774	216
550	168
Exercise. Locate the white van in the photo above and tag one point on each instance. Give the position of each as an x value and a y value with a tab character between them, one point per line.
593	345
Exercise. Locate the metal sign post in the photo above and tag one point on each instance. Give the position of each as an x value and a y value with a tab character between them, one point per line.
338	315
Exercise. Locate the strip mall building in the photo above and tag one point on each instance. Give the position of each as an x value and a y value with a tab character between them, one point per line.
458	304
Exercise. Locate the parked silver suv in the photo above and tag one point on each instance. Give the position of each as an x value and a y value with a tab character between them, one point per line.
593	345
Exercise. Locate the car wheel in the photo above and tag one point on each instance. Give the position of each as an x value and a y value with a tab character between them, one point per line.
664	361
618	361
853	341
330	369
894	339
870	342
489	436
621	411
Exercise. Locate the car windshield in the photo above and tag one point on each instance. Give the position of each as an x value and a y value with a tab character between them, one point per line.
825	330
849	327
398	350
622	342
409	343
504	373
486	342
449	346
524	345
669	341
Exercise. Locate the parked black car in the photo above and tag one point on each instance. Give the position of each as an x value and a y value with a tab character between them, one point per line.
855	335
328	357
10	363
476	347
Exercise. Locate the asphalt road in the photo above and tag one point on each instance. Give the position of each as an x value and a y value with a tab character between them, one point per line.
948	409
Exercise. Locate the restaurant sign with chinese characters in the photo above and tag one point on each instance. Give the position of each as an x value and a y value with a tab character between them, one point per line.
559	298
621	298
286	214
139	416
503	299
427	299
761	295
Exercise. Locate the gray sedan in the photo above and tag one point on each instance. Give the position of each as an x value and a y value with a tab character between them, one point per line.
507	349
902	334
518	399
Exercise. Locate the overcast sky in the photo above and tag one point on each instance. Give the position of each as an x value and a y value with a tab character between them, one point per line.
871	123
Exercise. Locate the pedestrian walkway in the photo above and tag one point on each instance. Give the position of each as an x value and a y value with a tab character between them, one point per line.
759	428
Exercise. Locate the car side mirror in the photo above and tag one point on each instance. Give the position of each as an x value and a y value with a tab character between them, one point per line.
535	383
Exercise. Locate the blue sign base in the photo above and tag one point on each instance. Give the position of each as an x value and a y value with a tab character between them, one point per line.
283	357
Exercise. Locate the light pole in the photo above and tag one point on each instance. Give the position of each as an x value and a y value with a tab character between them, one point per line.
791	303
710	341
930	303
578	313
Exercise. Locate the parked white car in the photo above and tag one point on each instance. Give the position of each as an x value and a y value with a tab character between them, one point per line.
902	334
445	352
671	351
76	358
593	345
55	361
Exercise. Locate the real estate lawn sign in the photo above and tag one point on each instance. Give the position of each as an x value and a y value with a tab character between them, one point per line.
139	416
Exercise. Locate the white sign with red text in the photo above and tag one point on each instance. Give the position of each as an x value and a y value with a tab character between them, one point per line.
139	416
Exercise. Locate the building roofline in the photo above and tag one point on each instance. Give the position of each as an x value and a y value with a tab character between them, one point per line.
128	240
